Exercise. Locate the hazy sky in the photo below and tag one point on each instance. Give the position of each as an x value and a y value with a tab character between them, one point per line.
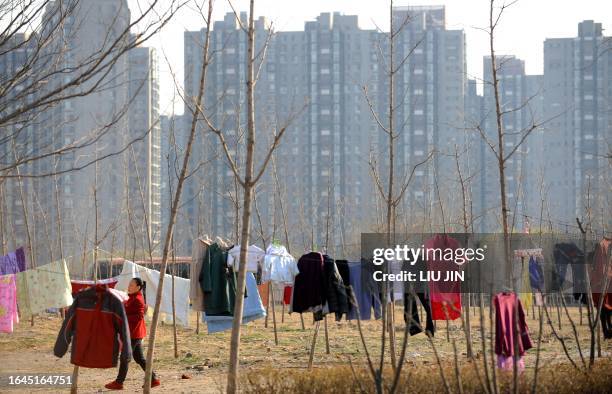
523	29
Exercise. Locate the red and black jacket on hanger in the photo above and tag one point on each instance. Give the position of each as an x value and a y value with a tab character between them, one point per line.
97	326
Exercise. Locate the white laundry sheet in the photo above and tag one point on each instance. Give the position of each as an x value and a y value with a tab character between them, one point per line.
151	277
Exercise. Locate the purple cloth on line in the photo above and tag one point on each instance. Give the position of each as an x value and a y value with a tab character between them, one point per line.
13	262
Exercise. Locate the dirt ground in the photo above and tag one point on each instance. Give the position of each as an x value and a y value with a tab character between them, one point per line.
205	357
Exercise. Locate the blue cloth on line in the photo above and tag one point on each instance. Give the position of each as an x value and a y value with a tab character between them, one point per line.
365	299
536	276
253	309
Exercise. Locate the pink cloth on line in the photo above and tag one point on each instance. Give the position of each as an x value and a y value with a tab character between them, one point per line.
505	338
8	303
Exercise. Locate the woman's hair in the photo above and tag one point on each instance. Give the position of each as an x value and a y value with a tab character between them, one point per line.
143	286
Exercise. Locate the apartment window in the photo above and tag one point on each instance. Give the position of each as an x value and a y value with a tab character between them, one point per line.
418	71
230	50
324	91
324	112
324	132
325	71
418	112
324	51
418	92
418	132
230	71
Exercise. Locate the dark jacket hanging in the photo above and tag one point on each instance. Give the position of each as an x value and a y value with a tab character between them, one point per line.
345	274
568	254
97	326
218	283
414	325
335	291
309	286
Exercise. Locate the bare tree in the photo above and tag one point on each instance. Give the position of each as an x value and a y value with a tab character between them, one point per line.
43	80
249	179
498	148
194	108
390	197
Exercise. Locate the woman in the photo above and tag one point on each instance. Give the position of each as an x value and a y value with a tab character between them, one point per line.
134	309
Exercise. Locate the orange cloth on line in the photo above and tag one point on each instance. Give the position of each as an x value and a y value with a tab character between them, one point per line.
263	293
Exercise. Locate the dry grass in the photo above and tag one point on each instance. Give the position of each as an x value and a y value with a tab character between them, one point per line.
558	379
205	357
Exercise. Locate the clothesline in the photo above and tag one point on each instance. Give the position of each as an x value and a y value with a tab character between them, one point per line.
78	277
545	222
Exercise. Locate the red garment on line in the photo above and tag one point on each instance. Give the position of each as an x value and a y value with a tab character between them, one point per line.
97	326
287	295
598	275
445	297
504	326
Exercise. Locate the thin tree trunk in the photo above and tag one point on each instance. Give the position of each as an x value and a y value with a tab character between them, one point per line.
312	345
232	375
175	204
174	301
2	217
390	185
500	145
484	343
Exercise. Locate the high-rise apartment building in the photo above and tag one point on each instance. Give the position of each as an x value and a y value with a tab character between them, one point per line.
515	120
429	97
317	77
97	200
212	198
325	157
17	135
577	95
144	171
